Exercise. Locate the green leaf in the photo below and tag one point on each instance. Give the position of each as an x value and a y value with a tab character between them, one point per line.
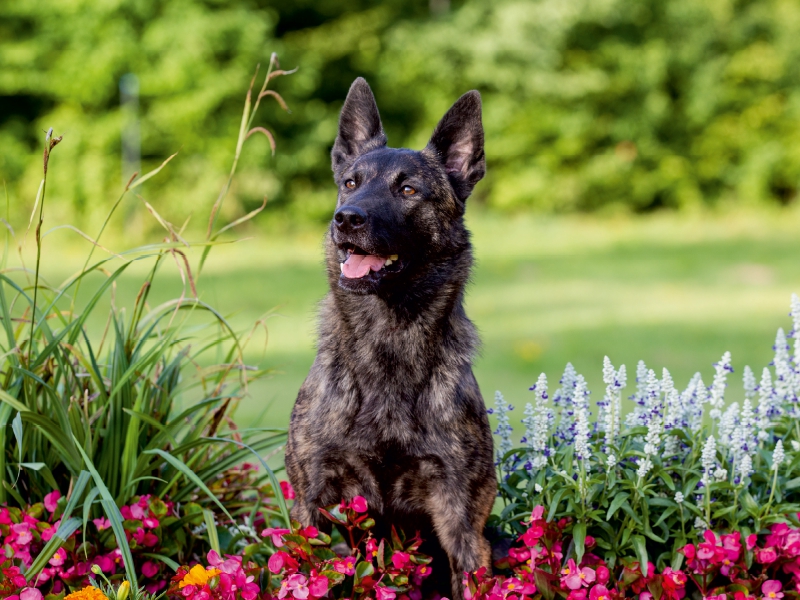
618	501
164	559
115	517
579	537
211	527
640	547
364	569
65	530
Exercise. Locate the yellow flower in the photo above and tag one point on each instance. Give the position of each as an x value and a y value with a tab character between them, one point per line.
197	575
88	593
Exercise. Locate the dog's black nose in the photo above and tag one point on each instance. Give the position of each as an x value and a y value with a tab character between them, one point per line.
348	218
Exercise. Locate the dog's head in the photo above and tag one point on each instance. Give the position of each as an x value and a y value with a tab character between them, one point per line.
399	214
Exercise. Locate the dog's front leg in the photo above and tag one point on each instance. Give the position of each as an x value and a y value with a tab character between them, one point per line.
459	522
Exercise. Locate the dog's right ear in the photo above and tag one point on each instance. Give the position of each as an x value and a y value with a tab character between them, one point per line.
360	128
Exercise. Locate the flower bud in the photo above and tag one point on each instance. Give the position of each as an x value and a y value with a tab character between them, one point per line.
123	590
97	570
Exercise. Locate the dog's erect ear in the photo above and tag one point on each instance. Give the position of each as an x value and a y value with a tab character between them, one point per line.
360	128
458	142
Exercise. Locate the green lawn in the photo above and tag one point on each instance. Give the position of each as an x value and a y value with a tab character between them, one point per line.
675	291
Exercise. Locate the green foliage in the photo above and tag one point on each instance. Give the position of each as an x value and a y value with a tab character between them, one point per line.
647	485
144	409
619	103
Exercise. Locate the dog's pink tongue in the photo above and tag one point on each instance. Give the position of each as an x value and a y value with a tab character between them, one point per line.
358	265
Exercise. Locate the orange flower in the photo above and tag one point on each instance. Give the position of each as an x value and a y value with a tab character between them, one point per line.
197	575
88	593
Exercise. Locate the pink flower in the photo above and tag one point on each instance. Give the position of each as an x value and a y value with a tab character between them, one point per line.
384	593
51	500
538	511
106	563
603	575
137	512
22	533
150	523
59	557
400	560
276	534
154	588
575	578
287	490
346	565
101	523
29	593
751	541
531	537
318	585
149	569
766	556
599	592
772	589
145	538
281	560
298	585
359	504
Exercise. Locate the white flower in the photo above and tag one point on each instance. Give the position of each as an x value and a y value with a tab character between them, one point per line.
766	405
778	455
504	429
611	462
700	524
795	445
582	450
537	488
727	424
784	376
679	497
749	381
537	423
645	465
721	474
611	405
745	467
637	415
717	399
709	459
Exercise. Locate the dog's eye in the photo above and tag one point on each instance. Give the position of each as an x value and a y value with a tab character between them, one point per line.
408	190
350	184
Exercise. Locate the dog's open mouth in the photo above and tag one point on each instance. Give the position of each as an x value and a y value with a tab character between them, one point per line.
357	263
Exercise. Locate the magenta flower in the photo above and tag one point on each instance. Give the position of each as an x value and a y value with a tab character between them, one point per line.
51	500
766	556
599	592
384	593
276	534
772	589
101	523
287	490
346	566
359	504
149	569
318	585
400	560
29	593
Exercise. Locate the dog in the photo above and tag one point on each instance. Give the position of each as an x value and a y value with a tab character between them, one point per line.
390	409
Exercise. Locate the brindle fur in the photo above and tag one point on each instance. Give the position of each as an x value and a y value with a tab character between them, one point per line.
391	409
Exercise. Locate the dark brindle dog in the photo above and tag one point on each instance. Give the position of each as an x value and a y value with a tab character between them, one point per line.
391	410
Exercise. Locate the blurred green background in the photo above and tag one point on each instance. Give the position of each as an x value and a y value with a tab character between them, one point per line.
643	161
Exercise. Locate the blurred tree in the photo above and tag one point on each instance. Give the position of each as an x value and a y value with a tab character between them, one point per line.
589	104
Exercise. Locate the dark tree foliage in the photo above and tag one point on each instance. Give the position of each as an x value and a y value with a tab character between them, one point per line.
640	104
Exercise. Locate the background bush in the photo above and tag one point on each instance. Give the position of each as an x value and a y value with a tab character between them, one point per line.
618	103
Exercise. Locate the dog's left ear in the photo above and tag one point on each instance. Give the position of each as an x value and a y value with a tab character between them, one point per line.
458	143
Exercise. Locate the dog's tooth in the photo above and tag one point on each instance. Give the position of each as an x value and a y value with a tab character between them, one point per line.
341	267
393	257
388	262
